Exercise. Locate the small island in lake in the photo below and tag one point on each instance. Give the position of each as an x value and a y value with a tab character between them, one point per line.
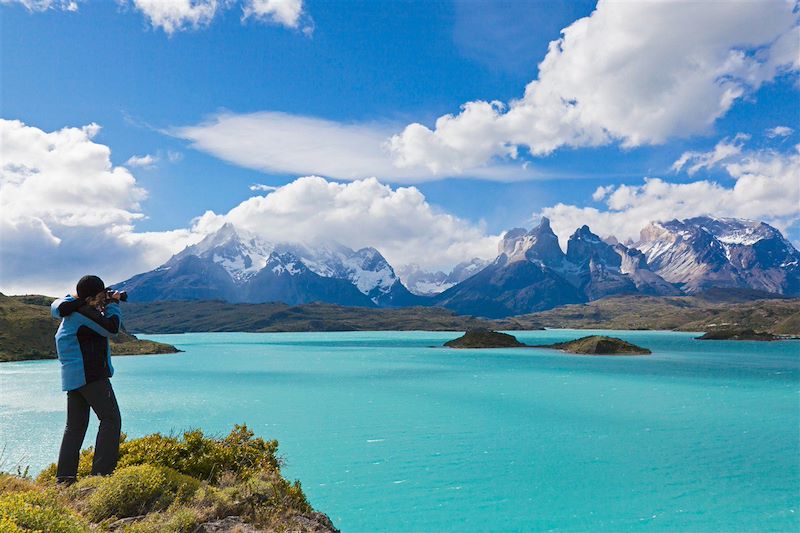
592	345
485	338
598	345
733	334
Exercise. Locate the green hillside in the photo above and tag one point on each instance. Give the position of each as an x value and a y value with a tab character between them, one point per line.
683	313
197	316
27	330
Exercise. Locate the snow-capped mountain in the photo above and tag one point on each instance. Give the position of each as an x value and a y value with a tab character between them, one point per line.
531	272
366	268
425	283
704	252
286	278
241	253
246	268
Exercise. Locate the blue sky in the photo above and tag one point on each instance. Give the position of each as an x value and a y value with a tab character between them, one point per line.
382	66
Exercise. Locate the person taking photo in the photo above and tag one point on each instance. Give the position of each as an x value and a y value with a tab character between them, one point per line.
88	319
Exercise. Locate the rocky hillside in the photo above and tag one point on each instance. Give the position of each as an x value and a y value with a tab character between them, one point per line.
704	252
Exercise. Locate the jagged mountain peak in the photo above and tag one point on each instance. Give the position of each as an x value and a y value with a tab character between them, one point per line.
585	234
585	246
543	227
540	244
241	253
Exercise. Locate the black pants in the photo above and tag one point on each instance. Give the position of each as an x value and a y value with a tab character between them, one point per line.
100	397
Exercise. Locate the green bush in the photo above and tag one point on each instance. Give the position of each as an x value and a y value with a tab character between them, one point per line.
37	511
181	481
136	490
260	498
203	457
193	454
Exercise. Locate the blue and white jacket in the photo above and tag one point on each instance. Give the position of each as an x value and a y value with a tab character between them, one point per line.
82	340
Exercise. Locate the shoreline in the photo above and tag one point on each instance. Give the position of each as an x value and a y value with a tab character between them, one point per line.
781	338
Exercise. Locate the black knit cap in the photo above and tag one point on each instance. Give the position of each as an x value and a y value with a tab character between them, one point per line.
89	286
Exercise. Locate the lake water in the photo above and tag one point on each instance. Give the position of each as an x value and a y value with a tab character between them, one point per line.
388	432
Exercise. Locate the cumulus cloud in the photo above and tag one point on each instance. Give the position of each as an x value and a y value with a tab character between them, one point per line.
632	72
177	15
765	187
65	210
283	143
146	160
779	131
44	5
398	221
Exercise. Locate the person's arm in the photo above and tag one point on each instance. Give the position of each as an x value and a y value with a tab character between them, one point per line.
106	324
65	306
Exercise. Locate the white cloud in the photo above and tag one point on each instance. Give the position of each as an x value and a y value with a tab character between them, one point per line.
632	72
65	210
178	15
44	5
724	150
285	12
601	192
283	143
779	131
146	160
399	222
262	187
765	187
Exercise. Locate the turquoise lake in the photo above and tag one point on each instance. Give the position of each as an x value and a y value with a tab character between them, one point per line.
389	432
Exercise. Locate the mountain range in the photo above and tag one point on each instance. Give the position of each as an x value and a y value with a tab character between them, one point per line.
530	273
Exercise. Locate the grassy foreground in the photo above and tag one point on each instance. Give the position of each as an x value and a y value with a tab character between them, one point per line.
167	484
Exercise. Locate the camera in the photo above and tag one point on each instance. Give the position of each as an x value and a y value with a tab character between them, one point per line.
123	295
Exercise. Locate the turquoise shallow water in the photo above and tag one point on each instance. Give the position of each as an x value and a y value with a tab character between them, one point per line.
389	433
